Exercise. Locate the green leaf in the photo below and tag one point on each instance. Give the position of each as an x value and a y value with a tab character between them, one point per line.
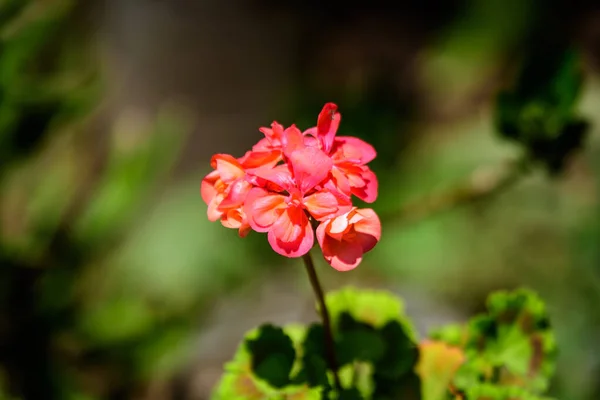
493	392
407	387
240	383
511	345
401	353
451	334
539	111
313	370
358	342
272	355
373	307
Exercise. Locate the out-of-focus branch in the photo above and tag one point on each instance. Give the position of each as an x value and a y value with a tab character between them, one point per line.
481	184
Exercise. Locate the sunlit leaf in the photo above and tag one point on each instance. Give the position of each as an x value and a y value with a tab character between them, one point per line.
437	365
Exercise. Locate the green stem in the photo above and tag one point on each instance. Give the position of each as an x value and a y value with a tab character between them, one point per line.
329	342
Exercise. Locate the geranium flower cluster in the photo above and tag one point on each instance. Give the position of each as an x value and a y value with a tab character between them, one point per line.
292	181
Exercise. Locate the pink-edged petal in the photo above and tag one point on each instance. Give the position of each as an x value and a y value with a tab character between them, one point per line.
260	159
263	208
341	255
368	229
212	212
263	144
311	132
340	181
311	141
349	148
368	192
310	167
295	240
290	224
232	218
292	140
236	219
327	125
274	133
321	204
280	175
207	187
236	196
229	167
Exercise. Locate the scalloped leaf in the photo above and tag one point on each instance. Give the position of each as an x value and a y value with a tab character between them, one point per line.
313	365
511	345
372	307
240	383
272	355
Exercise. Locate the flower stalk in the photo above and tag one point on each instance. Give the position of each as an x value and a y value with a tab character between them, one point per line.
329	342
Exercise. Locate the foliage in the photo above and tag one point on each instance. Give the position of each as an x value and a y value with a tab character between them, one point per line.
539	110
507	353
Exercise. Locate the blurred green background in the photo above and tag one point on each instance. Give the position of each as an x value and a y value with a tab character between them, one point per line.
113	283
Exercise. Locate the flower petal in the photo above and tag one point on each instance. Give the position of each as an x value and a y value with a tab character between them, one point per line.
327	125
326	204
292	235
368	192
207	187
341	255
368	229
212	212
273	134
280	175
310	166
259	159
292	140
263	208
348	148
236	195
229	167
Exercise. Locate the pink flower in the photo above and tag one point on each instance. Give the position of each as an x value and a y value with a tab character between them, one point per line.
282	210
224	191
345	238
289	180
349	154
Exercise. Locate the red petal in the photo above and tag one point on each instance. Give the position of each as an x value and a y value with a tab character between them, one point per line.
262	208
368	192
310	166
327	125
207	187
212	212
292	140
321	204
341	255
229	168
368	229
236	196
279	175
273	134
327	204
348	148
258	159
292	235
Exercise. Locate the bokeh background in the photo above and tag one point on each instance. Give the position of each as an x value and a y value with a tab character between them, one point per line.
113	283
